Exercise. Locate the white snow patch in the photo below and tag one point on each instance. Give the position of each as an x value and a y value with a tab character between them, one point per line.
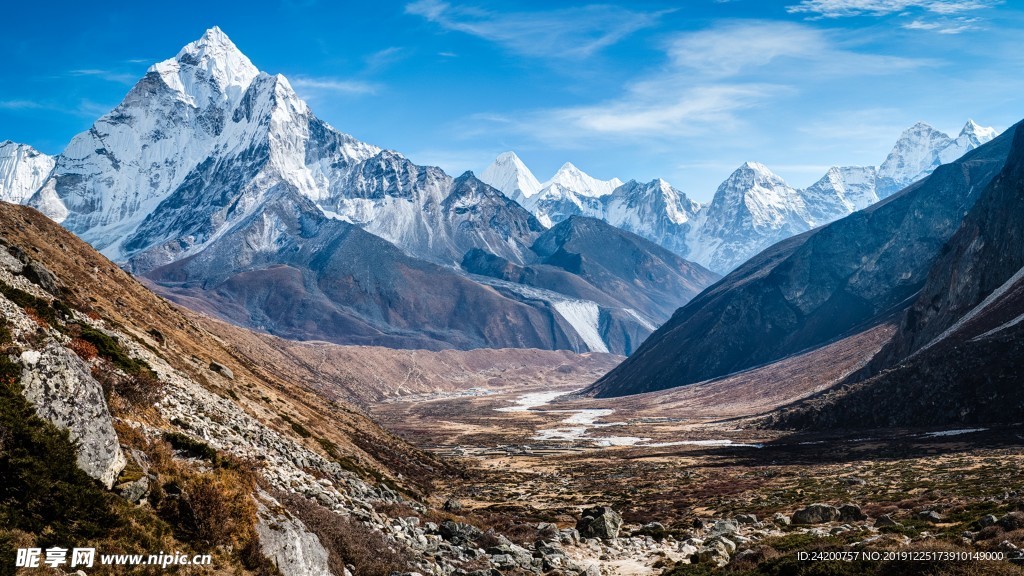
583	316
530	401
995	295
956	432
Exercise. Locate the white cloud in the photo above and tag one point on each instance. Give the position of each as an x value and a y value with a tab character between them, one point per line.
385	57
710	78
842	8
108	75
562	33
19	105
334	85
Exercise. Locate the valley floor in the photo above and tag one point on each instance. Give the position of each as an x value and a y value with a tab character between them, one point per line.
536	455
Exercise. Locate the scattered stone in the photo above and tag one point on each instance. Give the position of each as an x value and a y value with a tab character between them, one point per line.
746	519
854	481
458	533
8	261
816	514
931	516
452	505
599	522
725	527
781	519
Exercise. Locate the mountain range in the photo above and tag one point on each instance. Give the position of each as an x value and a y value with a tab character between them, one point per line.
751	210
218	184
819	286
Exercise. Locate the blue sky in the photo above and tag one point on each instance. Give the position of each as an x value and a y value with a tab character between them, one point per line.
684	90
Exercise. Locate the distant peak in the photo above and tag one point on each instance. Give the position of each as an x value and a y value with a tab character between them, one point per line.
755	167
508	156
983	133
570	168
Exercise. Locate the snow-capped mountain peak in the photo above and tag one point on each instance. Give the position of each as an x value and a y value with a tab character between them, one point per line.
572	178
212	57
980	134
510	175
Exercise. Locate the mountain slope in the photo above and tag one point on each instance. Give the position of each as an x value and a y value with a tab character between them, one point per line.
956	356
291	271
22	171
810	289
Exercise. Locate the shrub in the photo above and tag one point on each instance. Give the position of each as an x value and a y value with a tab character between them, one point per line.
195	448
85	349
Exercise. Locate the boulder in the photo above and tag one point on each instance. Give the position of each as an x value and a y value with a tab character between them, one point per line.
816	514
135	491
458	533
40	276
288	543
986	521
599	522
1012	521
851	513
222	370
931	516
886	520
63	391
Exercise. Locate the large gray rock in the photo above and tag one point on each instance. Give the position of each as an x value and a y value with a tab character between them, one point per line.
64	392
289	545
599	522
816	514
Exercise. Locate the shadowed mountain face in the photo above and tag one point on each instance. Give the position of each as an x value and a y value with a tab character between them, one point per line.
813	288
957	355
634	283
291	271
619	262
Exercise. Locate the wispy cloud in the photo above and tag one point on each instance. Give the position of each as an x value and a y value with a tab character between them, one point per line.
119	77
571	33
333	85
844	8
945	25
20	105
710	77
386	57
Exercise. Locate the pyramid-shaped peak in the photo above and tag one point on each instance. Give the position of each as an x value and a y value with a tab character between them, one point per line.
507	157
756	167
213	55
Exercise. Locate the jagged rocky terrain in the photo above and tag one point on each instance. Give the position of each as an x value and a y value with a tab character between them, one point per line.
815	287
752	209
179	421
219	184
